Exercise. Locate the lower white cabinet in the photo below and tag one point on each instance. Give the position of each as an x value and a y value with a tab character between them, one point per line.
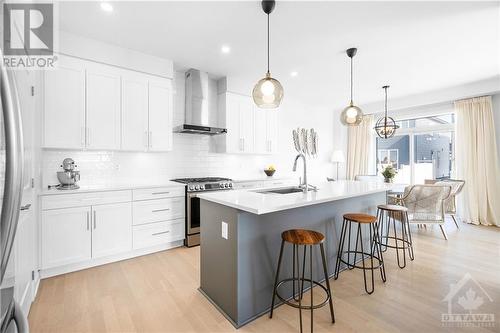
111	229
66	236
79	228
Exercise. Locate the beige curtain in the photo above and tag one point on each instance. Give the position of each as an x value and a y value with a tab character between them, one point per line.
359	147
477	161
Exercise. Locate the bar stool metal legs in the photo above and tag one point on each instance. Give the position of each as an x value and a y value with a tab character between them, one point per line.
297	294
374	254
393	216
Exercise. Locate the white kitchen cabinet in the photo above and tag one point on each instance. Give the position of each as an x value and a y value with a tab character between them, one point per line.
250	130
238	111
160	115
272	126
134	131
66	236
64	105
103	85
111	229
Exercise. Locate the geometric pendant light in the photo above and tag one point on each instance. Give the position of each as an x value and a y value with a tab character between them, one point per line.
268	92
386	126
351	115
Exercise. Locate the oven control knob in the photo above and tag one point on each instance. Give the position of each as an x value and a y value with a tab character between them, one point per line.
191	188
221	185
226	185
230	184
202	187
197	187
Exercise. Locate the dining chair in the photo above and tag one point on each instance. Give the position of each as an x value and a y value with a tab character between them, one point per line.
450	204
426	204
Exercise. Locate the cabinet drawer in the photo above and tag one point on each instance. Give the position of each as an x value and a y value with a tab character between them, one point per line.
158	210
84	199
152	234
158	193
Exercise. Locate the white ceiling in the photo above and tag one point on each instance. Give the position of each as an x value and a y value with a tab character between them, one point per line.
414	47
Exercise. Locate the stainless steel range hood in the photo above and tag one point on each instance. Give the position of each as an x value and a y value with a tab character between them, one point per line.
201	105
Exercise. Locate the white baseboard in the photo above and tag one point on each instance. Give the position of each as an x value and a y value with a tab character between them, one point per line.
49	272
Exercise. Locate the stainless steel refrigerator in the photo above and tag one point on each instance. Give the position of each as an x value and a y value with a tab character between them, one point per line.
11	179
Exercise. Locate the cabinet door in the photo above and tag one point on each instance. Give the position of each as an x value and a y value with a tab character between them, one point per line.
111	229
247	124
64	105
134	133
66	236
272	131
261	139
232	111
160	115
103	107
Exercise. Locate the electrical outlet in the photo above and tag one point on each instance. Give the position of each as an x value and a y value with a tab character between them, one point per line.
224	230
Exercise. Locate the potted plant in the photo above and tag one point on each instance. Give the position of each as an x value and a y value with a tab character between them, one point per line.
389	173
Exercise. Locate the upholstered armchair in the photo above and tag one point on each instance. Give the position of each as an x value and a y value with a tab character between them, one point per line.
426	204
450	204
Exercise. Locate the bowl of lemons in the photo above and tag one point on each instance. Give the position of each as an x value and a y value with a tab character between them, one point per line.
270	170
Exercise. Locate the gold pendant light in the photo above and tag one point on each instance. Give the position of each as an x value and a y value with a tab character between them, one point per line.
351	115
268	92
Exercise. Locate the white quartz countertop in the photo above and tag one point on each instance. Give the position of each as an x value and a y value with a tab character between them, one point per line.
255	202
111	187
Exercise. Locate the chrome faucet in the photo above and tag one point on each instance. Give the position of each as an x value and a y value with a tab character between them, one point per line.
303	185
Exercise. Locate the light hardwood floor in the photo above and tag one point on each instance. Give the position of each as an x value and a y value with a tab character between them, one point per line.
158	293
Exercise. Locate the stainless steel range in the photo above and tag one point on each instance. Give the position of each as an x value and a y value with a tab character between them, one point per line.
193	187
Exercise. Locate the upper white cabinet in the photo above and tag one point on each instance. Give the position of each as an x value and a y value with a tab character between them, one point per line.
64	103
250	130
160	115
94	106
103	107
134	112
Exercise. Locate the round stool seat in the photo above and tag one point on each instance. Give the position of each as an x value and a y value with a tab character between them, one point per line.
393	208
360	218
302	237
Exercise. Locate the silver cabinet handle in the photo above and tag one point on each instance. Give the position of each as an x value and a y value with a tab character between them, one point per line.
160	233
156	193
145	139
25	207
88	224
95	219
88	136
160	210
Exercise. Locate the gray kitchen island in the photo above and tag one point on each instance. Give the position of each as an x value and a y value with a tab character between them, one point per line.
241	237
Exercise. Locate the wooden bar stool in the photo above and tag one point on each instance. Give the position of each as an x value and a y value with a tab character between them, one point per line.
308	239
392	213
375	251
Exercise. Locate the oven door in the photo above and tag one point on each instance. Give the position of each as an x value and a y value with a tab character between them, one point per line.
193	213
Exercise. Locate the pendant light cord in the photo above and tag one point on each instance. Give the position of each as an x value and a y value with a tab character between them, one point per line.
268	43
351	81
385	118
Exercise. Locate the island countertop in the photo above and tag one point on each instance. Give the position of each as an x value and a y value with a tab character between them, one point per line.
256	202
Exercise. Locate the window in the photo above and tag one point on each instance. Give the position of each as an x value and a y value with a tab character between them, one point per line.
421	149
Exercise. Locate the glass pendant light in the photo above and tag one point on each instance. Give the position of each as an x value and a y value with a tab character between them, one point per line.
268	92
385	126
351	115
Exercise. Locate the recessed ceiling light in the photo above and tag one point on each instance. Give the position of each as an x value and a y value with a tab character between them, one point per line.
294	74
225	49
106	6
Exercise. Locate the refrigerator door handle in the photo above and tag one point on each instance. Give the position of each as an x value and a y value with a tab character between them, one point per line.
13	165
20	319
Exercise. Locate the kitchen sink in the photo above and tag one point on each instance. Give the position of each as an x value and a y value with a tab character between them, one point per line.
283	190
